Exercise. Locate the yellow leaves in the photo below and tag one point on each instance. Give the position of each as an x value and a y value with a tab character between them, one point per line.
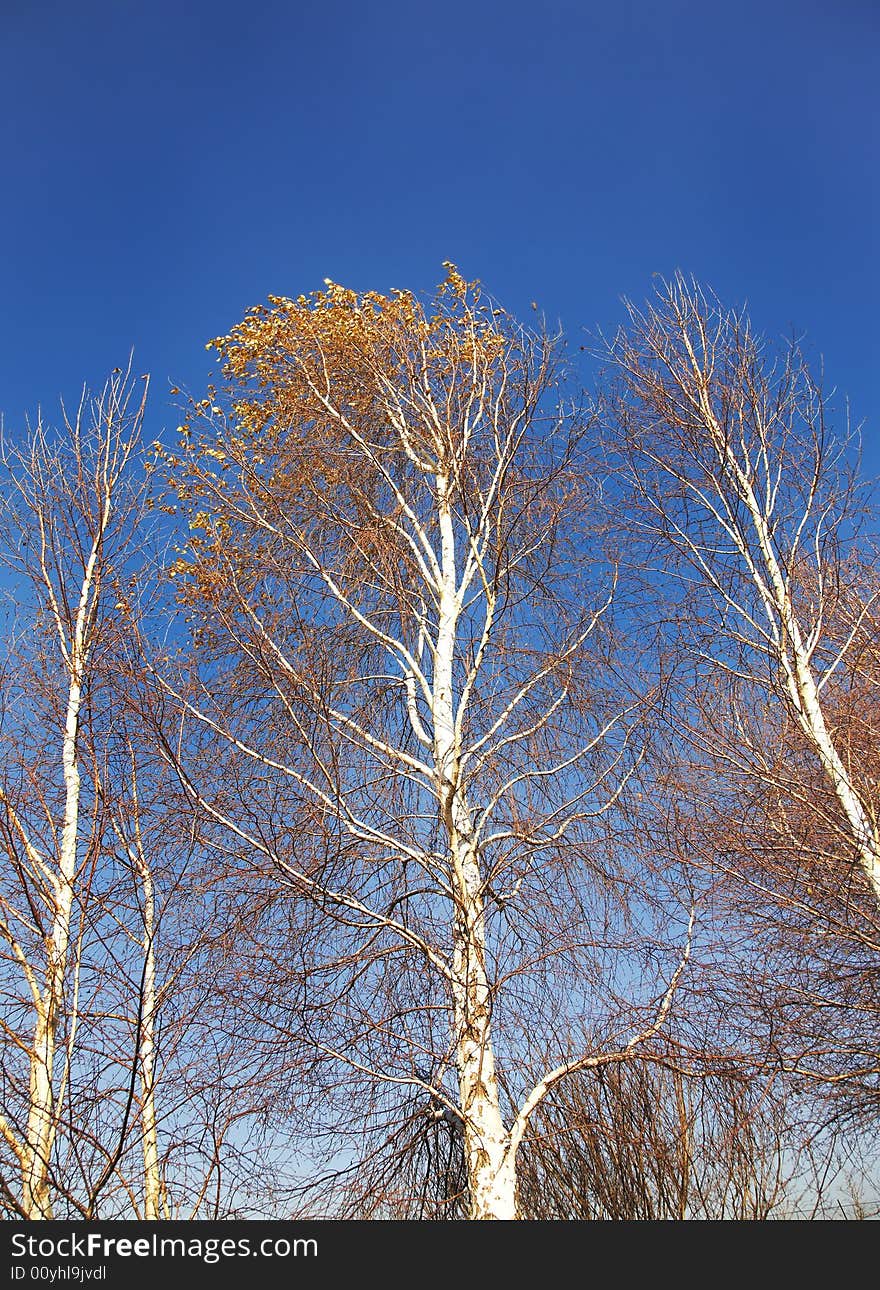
300	350
458	286
307	377
327	398
453	277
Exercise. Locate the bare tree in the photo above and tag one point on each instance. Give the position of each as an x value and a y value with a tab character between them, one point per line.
755	505
768	825
404	723
186	1079
67	515
747	513
129	824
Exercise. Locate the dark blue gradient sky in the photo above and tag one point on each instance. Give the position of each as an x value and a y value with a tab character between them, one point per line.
167	165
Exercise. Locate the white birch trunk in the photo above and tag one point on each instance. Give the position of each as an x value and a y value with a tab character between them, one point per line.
794	660
43	1111
62	505
805	696
490	1165
155	1205
42	1120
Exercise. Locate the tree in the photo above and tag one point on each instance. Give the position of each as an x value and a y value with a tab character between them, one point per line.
188	1098
751	499
68	516
771	828
748	515
129	832
404	723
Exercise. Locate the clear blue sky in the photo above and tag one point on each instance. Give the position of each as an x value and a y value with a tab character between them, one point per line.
167	165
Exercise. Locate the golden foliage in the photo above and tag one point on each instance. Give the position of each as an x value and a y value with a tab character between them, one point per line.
327	402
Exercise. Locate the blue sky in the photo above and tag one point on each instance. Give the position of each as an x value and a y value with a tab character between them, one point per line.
166	166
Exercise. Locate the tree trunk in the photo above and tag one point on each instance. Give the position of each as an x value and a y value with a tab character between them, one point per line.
42	1112
491	1172
794	658
805	696
155	1205
490	1166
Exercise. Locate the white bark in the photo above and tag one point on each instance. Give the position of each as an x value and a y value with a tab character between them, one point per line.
451	507
42	1123
792	654
155	1205
752	473
491	1170
155	1197
62	507
864	834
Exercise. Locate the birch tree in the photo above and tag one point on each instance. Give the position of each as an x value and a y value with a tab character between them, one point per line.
769	826
404	722
130	828
68	515
751	501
